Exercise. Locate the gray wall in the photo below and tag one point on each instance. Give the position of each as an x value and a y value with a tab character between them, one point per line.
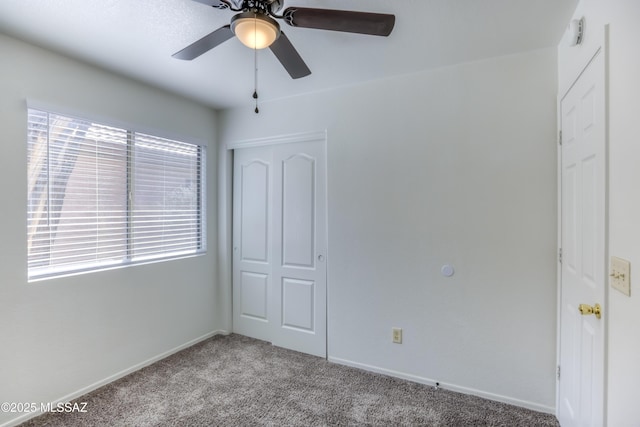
456	165
58	337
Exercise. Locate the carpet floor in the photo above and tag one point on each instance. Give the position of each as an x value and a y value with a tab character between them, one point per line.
238	381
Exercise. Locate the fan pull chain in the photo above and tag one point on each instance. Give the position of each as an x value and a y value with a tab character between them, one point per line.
255	90
255	66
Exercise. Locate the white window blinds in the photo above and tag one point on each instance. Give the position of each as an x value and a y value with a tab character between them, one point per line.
166	207
100	196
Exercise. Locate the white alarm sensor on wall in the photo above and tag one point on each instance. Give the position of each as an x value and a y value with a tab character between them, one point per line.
447	270
576	31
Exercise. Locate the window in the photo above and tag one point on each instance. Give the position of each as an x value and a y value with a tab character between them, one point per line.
102	196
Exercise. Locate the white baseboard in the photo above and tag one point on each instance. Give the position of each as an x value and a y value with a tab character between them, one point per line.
447	386
112	378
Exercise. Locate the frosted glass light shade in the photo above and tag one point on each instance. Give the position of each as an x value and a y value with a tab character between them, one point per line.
255	31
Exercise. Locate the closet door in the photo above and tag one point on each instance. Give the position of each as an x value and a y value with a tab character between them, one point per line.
280	245
299	269
252	242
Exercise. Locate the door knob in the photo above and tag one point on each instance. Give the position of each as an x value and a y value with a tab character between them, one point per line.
586	309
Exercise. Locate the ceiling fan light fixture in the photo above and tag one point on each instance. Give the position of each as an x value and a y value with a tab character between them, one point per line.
254	30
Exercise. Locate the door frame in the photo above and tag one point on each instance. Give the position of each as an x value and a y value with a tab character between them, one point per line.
599	48
225	216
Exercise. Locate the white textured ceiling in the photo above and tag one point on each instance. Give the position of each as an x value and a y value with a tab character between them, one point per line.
138	37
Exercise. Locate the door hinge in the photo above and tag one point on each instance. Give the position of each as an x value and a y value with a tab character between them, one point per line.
558	372
560	137
560	255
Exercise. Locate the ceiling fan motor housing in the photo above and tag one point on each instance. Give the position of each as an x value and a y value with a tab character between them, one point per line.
276	5
263	6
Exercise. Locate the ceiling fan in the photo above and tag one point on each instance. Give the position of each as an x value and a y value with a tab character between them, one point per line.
256	27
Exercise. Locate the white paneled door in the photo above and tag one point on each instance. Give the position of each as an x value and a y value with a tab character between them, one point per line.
582	329
279	245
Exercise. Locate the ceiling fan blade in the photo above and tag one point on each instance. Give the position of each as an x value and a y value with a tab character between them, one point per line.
289	57
205	44
218	4
377	24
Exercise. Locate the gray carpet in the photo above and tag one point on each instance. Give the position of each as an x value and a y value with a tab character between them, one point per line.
238	381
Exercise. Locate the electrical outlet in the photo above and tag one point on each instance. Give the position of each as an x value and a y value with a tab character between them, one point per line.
620	275
397	335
